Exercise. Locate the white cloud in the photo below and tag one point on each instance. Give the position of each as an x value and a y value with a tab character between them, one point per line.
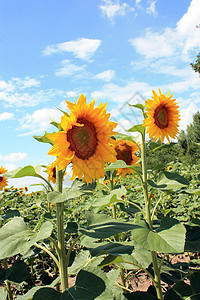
27	82
121	94
10	167
6	116
178	41
39	121
151	9
112	9
15	156
69	69
186	115
82	48
106	75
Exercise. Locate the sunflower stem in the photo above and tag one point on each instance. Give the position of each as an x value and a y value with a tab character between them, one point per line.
149	220
8	288
116	236
60	234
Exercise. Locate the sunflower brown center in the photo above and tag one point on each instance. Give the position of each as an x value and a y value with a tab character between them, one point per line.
124	153
1	179
161	117
83	140
54	172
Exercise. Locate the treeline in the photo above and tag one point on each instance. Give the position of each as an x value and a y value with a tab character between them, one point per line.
186	150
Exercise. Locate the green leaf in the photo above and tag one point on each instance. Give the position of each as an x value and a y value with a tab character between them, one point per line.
120	164
170	181
112	248
18	272
16	238
172	295
183	288
43	139
47	293
88	286
25	171
137	128
168	238
139	296
192	243
76	190
195	282
138	105
101	202
10	213
3	294
164	146
121	136
107	229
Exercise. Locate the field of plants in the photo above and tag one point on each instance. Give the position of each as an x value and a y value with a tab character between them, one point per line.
121	231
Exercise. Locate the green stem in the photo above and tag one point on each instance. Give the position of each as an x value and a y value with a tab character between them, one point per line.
8	288
155	207
49	252
60	234
134	204
49	184
149	220
70	249
116	236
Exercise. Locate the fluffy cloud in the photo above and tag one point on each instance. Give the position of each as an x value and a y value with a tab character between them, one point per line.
186	115
112	9
16	156
82	48
69	69
121	94
151	8
39	121
178	41
106	75
6	116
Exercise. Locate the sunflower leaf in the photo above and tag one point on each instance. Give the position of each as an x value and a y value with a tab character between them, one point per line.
137	128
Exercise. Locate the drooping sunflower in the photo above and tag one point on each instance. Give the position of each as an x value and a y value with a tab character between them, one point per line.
3	180
51	171
162	116
126	151
84	140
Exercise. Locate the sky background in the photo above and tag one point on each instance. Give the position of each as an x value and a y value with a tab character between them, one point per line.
113	51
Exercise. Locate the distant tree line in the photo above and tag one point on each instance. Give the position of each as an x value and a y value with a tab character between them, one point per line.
186	150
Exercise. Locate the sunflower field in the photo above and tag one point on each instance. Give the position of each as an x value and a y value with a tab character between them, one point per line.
123	230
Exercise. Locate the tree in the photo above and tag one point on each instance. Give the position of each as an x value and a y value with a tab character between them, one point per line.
196	65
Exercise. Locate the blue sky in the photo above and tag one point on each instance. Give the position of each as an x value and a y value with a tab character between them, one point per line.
113	51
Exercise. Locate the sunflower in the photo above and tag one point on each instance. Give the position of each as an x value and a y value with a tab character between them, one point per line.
162	116
3	180
169	168
51	171
126	152
84	140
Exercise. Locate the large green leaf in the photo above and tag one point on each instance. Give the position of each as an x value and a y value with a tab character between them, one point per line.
140	296
88	286
120	164
168	238
25	171
137	128
107	229
16	238
112	248
170	181
76	190
115	196
17	273
192	243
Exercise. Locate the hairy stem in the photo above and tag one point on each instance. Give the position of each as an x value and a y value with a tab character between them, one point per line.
157	281
60	234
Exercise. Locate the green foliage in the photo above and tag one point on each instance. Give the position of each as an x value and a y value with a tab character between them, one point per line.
196	65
